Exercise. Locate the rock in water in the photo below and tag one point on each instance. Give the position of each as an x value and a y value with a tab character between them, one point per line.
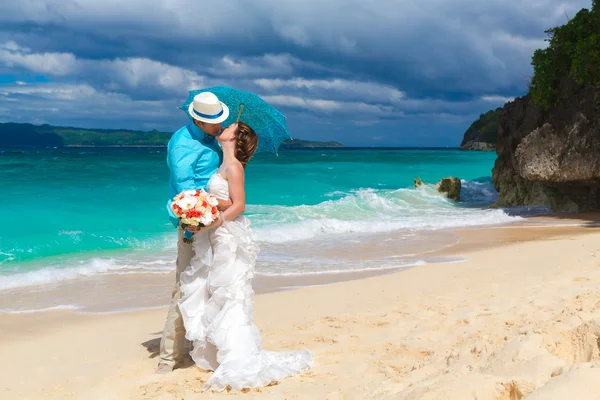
451	187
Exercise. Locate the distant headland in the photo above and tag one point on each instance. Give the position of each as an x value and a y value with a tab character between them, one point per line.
20	135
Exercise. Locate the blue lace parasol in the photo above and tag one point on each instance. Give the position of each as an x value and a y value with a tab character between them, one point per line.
266	120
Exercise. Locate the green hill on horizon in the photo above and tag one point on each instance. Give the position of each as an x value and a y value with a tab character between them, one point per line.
23	135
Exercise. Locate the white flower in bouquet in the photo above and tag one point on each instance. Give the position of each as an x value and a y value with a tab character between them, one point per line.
187	202
207	219
195	208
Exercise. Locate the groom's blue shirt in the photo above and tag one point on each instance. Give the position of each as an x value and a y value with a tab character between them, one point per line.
193	157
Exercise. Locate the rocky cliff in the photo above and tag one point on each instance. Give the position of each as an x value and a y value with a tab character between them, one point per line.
551	156
482	134
549	141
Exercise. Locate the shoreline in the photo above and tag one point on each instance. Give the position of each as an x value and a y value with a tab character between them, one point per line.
436	331
467	239
103	293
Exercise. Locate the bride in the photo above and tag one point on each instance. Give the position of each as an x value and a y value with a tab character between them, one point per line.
216	303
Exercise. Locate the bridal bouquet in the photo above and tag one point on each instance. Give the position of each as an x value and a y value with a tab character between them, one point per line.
195	208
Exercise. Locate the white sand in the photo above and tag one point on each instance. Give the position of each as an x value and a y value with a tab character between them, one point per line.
517	321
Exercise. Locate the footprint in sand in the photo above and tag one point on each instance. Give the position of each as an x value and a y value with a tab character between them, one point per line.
579	345
321	339
581	279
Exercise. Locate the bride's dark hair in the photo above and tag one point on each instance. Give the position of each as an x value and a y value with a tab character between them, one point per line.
246	143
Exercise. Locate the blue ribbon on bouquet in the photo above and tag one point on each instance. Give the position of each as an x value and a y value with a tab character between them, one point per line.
187	234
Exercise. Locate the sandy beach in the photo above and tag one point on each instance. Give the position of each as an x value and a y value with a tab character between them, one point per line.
519	319
409	191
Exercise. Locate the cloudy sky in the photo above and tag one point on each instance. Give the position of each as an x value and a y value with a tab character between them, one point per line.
362	72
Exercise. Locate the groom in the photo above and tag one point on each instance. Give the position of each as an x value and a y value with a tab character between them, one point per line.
193	156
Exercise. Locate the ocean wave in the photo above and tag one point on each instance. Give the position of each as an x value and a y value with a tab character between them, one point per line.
340	271
70	233
6	257
387	267
365	211
95	266
38	310
478	192
375	211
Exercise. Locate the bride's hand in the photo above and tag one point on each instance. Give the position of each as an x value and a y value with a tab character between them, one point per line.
217	224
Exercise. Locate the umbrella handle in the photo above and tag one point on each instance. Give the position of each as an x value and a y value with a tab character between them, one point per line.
239	113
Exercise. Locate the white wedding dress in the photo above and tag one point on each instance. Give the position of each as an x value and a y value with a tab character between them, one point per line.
216	306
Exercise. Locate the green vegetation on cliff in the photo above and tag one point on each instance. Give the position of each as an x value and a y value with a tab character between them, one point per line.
308	144
571	60
483	133
573	52
28	135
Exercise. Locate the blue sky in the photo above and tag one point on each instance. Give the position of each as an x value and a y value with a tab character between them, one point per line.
362	72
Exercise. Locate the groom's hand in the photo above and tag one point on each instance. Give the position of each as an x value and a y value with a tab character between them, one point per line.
224	204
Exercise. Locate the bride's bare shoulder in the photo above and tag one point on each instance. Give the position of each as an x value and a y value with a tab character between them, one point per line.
233	169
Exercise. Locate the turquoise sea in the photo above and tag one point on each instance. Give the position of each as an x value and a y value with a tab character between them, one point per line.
72	213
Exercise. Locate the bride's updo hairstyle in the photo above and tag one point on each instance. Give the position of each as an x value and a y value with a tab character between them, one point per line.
246	143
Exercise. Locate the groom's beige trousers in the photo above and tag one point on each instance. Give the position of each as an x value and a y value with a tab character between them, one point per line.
172	344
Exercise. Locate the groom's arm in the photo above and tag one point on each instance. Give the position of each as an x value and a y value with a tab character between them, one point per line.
182	162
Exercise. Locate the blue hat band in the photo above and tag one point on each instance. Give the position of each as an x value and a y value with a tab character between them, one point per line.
208	116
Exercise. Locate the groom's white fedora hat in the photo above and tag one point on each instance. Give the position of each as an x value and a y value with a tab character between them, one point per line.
206	107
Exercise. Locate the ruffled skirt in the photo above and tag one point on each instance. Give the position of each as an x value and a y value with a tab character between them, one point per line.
216	306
